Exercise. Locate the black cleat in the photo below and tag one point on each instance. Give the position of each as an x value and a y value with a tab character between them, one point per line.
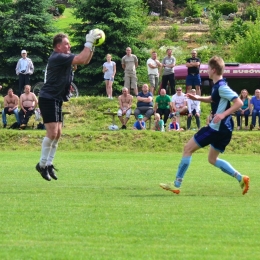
251	127
4	125
43	171
51	171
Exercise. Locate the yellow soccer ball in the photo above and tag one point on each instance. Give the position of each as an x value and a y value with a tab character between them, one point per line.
101	40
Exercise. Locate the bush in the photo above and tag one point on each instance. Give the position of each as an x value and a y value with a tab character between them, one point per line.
251	12
61	8
226	8
192	9
173	33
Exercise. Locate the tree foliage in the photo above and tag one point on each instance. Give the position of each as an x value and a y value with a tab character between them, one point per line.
122	21
24	24
247	47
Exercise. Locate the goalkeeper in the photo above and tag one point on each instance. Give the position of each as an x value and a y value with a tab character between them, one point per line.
56	90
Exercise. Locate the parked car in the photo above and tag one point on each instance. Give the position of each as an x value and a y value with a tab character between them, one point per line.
238	75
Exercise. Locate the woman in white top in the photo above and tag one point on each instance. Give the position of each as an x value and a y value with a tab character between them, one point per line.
193	110
109	70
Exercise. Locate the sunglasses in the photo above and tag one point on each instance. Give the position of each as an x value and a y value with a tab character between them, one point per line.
179	89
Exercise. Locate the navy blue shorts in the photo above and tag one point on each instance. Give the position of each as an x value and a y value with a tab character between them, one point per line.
193	80
51	110
218	140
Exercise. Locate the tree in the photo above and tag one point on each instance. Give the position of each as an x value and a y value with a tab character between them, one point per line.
24	24
155	6
122	21
247	47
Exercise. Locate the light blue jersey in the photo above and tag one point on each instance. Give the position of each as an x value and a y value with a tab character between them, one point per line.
221	96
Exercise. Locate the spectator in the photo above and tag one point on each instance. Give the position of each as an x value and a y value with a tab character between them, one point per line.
11	102
144	103
168	64
158	123
125	105
129	65
109	70
193	110
193	77
163	105
179	103
24	68
255	109
28	103
139	124
153	73
174	125
244	110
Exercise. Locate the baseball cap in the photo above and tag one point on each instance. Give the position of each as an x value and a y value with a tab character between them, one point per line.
140	117
23	51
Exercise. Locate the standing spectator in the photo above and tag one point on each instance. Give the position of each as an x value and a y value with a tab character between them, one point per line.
11	102
163	105
244	110
158	123
179	104
139	124
24	68
28	103
219	132
255	109
168	64
153	73
144	103
193	77
193	110
125	105
129	65
55	91
109	70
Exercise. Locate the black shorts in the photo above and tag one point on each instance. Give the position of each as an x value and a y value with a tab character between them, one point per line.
218	140
51	110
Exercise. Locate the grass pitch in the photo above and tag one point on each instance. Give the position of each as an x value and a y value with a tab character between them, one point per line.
110	206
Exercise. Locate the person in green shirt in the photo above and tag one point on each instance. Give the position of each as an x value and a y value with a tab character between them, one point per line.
163	105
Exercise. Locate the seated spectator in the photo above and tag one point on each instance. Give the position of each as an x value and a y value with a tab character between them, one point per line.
179	104
139	124
11	102
193	110
255	109
144	103
163	105
125	104
28	102
158	123
174	125
244	110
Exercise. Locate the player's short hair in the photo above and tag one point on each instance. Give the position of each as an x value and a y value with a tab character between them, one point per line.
57	39
218	64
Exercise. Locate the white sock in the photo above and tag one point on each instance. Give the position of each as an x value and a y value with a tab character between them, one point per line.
52	152
46	147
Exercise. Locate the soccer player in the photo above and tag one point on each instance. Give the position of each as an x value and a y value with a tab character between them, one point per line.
56	89
218	133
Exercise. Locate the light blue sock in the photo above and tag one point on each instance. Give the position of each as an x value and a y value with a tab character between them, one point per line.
227	168
183	167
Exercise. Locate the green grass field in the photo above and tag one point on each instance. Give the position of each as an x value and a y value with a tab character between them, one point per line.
110	206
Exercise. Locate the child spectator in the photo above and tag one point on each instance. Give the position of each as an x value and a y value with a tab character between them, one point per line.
139	124
174	125
158	123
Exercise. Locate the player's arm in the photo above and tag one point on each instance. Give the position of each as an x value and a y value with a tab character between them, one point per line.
199	98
